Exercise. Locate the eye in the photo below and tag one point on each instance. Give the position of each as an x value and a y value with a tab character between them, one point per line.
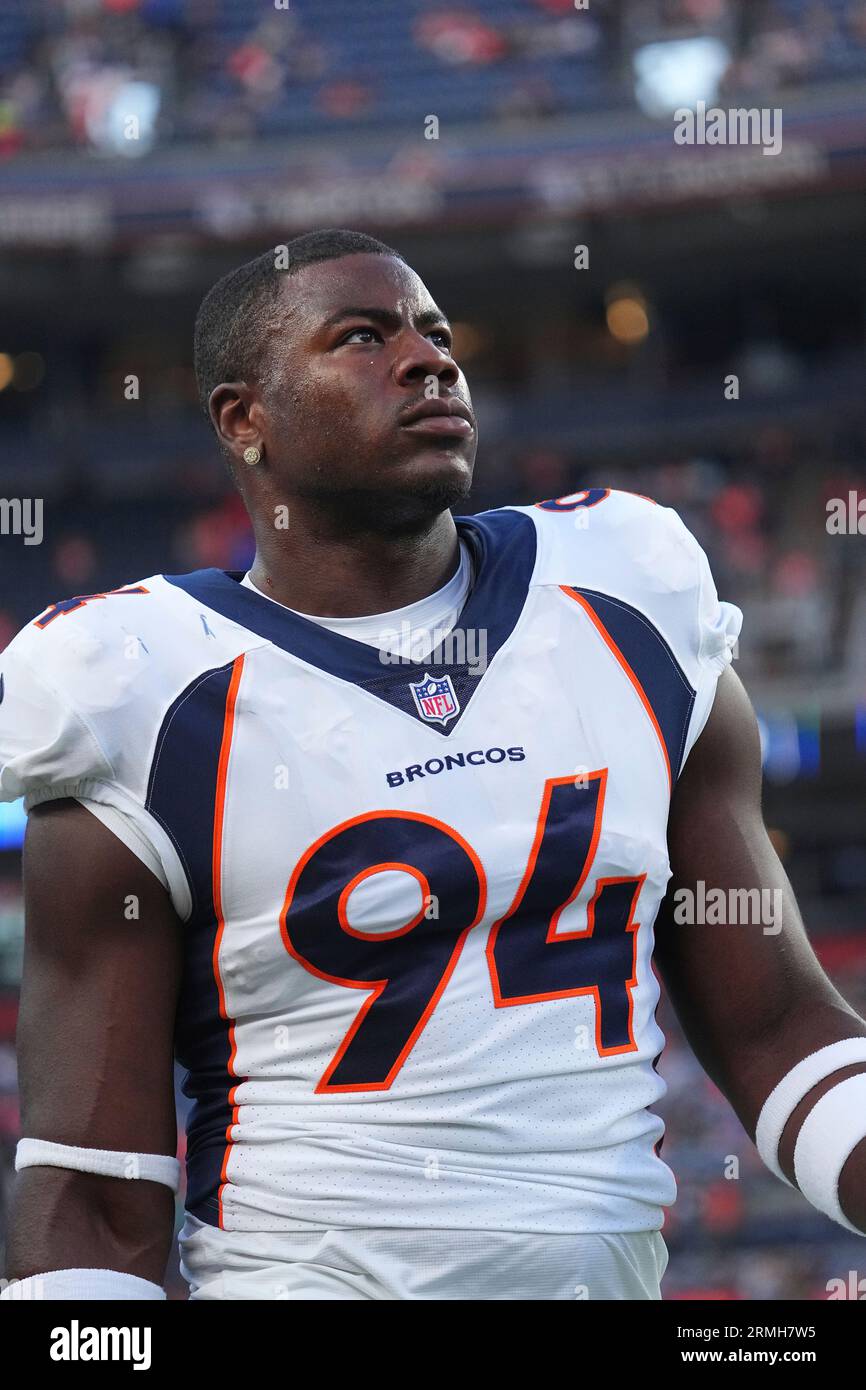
444	336
373	335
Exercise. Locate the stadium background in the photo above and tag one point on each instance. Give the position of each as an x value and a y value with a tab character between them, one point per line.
555	130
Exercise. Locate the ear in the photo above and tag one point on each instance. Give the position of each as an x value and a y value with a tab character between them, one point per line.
229	408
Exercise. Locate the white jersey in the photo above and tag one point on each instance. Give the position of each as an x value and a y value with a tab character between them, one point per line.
418	895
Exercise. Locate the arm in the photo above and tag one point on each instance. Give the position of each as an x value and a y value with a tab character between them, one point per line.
752	1002
95	1038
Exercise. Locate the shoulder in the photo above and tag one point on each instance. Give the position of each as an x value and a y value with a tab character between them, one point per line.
637	561
85	684
75	633
146	631
612	536
74	652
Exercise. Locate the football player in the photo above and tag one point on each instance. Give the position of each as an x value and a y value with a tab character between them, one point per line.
380	840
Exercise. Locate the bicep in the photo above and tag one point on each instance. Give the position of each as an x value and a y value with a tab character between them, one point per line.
101	975
735	984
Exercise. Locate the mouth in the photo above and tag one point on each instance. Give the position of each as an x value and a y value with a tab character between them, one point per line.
441	416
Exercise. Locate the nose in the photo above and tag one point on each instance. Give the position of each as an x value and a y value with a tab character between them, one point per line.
417	359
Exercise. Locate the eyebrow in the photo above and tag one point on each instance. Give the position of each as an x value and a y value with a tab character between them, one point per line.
387	318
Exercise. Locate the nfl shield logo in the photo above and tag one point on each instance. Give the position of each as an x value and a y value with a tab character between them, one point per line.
435	699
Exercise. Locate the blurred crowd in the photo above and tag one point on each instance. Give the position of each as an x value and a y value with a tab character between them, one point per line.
73	71
761	516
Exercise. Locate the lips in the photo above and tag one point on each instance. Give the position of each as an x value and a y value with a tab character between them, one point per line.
441	415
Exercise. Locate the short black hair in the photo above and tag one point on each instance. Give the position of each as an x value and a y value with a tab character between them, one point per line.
231	326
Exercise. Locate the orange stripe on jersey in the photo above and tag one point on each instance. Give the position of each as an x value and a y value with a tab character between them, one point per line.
218	830
641	693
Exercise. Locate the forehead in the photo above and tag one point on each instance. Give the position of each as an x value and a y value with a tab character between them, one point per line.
318	291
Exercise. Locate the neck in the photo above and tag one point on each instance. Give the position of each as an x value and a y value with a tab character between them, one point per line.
316	567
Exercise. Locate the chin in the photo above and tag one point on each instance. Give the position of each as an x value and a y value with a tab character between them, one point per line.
433	481
402	496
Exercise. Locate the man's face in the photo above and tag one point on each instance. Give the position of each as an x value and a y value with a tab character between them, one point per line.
360	351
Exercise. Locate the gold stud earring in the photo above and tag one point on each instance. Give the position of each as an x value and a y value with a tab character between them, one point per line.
252	455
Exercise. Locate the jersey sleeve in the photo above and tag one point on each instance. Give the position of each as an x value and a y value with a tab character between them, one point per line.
674	585
47	750
52	699
718	625
640	562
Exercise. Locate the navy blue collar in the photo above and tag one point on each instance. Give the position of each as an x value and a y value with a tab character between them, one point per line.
503	547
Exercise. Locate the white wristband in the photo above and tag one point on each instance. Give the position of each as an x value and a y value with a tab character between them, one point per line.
794	1086
39	1153
103	1285
830	1132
